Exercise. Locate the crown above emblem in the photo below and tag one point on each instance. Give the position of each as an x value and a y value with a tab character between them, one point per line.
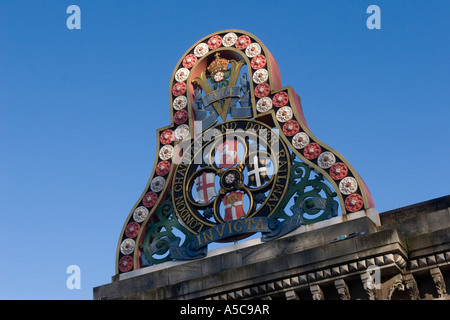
218	65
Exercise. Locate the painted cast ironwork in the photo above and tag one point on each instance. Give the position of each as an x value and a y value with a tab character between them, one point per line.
237	159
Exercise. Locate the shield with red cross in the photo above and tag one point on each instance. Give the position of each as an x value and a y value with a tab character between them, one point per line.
205	187
228	155
233	206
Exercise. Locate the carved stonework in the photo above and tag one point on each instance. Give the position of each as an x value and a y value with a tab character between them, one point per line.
342	289
316	292
411	286
439	282
368	285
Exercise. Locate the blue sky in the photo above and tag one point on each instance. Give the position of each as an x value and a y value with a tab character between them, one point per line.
79	110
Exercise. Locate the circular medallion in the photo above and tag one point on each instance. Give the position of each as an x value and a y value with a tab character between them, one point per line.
291	127
166	152
182	74
214	42
189	61
149	199
157	184
127	246
348	185
262	90
280	99
140	213
258	62
179	89
180	103
284	114
163	168
125	263
338	171
326	160
264	104
229	39
253	50
243	42
300	140
182	132
180	116
260	76
354	202
312	151
233	180
200	50
167	136
132	229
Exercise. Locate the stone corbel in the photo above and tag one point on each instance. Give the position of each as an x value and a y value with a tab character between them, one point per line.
369	285
316	292
411	286
342	289
439	282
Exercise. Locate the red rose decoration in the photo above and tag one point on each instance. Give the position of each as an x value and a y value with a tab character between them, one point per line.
189	61
258	62
291	127
132	229
179	89
125	263
243	42
149	199
354	202
214	42
338	171
262	90
180	117
167	136
312	151
280	99
163	168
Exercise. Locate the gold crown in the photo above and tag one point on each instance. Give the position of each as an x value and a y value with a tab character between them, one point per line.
219	64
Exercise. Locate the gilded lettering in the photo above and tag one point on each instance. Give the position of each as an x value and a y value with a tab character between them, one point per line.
235	226
259	225
207	237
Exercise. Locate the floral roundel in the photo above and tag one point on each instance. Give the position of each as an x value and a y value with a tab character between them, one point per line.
258	62
149	199
300	140
132	229
312	151
280	99
354	202
243	42
180	116
167	136
214	42
125	263
179	89
229	39
262	90
140	214
189	61
338	171
291	127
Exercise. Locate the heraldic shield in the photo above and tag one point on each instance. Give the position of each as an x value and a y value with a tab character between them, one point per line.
237	159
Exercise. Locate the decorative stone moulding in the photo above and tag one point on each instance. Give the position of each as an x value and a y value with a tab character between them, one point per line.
230	80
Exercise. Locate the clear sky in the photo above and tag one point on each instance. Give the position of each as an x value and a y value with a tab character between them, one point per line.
79	110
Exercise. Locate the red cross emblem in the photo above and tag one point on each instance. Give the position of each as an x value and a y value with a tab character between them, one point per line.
205	187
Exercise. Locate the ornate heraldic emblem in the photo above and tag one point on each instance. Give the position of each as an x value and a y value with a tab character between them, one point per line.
237	159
